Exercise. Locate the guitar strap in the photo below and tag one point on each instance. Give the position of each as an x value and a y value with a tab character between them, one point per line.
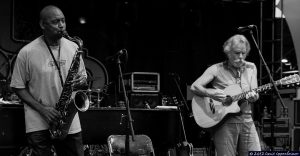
248	75
237	73
239	78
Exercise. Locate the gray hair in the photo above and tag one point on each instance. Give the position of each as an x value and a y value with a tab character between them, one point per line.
236	42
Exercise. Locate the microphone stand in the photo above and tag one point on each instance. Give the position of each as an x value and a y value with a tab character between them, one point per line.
129	128
185	144
275	87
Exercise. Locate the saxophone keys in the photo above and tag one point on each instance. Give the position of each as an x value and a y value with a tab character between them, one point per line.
58	133
61	122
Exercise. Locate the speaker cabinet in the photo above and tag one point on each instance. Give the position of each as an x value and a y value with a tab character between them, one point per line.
295	139
296	112
12	128
144	100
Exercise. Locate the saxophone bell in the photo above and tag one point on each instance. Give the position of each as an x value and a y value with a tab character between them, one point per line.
80	100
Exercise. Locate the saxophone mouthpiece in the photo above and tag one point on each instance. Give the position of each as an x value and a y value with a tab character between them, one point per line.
65	34
75	39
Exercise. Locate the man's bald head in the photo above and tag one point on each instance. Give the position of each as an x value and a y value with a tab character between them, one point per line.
52	22
48	12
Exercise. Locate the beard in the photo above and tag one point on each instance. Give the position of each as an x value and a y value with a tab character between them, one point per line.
53	39
54	34
238	63
58	35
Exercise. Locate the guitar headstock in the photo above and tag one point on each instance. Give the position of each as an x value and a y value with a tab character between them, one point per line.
288	80
175	101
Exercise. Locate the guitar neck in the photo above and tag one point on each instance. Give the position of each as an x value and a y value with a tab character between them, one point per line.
284	81
257	90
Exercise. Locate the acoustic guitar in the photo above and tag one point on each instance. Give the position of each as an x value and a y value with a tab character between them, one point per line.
209	113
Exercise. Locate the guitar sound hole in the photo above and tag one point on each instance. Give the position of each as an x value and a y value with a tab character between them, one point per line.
212	106
228	100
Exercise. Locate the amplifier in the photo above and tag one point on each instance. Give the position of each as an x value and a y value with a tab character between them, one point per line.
144	100
141	82
201	151
12	127
281	126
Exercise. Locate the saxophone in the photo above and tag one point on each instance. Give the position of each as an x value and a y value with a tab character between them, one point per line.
70	101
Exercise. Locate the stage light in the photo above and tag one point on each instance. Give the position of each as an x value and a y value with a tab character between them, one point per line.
82	20
284	60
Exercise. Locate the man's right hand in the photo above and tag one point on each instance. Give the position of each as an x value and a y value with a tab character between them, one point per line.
50	114
216	94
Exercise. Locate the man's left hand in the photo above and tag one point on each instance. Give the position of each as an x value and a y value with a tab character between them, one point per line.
252	96
79	80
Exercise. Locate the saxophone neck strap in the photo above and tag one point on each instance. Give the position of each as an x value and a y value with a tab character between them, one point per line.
55	62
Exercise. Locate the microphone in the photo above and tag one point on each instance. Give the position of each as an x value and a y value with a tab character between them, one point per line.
245	28
116	55
174	75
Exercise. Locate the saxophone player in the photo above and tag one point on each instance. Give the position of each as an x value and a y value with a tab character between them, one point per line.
39	73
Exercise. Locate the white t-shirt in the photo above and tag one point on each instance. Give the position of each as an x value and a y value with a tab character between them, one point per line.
35	69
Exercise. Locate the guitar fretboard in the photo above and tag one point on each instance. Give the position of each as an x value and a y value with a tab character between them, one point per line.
284	81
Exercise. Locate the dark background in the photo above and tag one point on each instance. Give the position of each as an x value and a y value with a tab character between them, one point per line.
178	36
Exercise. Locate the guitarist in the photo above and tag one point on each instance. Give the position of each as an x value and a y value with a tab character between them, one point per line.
237	134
